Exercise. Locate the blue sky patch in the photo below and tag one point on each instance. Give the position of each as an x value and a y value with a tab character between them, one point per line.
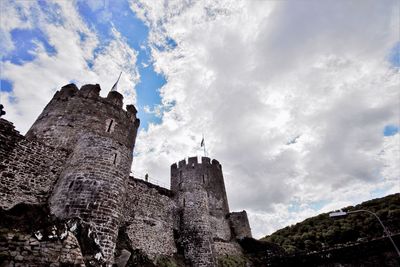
317	205
136	33
5	86
379	192
169	44
92	19
25	42
294	207
390	130
101	17
394	56
52	11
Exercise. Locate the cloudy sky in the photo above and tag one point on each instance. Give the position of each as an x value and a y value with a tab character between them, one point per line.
298	99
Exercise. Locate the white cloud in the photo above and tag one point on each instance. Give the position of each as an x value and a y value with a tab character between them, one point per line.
390	157
35	82
12	17
255	75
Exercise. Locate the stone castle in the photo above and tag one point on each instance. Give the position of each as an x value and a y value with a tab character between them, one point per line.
67	197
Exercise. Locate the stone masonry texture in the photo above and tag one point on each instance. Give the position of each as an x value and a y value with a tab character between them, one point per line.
28	169
149	212
240	224
202	205
19	249
67	197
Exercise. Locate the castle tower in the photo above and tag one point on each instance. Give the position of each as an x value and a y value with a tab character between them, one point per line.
100	138
72	112
201	198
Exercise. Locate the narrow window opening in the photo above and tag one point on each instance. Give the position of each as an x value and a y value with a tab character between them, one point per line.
109	126
115	158
180	175
184	202
204	181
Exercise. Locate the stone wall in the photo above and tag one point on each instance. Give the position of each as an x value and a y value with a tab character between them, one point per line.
240	224
188	182
92	187
220	228
195	231
205	230
227	248
30	236
215	186
149	218
217	200
72	112
100	137
28	169
207	176
22	250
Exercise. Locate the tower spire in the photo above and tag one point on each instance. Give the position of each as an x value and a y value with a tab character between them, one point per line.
114	88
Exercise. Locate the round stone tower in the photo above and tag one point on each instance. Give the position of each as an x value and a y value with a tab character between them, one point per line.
100	137
201	199
73	112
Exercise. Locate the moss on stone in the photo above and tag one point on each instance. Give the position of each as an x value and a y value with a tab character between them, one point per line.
166	262
232	261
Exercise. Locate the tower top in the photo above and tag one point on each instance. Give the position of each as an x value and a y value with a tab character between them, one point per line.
89	91
73	112
192	162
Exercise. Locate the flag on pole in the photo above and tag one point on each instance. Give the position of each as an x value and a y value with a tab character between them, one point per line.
114	88
203	145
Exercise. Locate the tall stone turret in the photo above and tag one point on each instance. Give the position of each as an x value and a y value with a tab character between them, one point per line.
73	112
201	199
100	137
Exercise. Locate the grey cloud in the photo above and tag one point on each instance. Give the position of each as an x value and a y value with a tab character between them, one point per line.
297	31
253	80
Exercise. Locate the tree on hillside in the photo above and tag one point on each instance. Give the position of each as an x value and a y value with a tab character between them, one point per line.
321	232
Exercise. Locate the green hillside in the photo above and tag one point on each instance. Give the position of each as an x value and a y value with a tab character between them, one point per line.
321	232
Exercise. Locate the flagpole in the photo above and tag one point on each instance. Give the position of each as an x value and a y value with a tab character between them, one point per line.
204	146
114	88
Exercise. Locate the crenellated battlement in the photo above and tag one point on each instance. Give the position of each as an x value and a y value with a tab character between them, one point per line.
191	172
192	162
73	111
66	92
92	91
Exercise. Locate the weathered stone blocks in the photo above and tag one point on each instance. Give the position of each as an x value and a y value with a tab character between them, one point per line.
28	169
72	112
92	187
202	203
240	224
149	219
